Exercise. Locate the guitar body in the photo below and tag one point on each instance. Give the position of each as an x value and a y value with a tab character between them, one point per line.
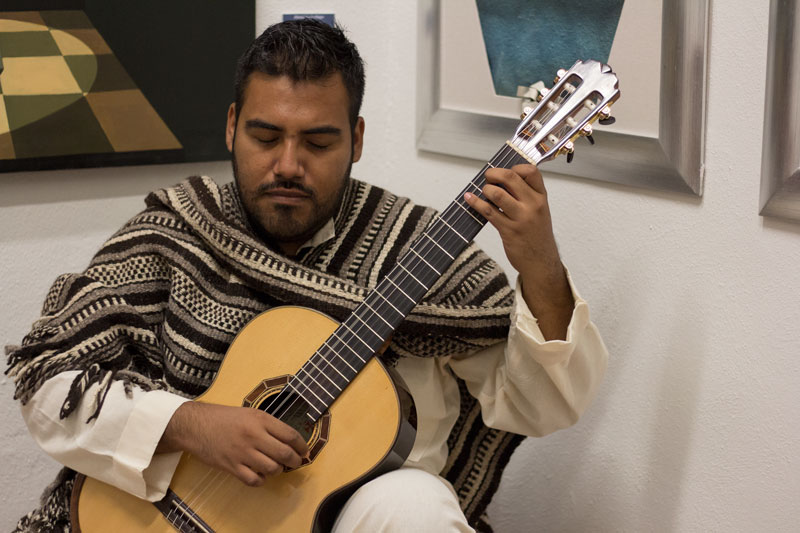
366	435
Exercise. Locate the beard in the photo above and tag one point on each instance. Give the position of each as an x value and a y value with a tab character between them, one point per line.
278	225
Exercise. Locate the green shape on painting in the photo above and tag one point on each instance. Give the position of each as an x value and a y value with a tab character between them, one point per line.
84	70
529	40
27	109
28	44
68	131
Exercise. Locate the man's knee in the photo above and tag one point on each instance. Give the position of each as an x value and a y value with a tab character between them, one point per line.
408	499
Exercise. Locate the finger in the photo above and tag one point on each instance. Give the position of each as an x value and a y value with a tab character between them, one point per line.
498	196
532	177
487	210
280	453
286	434
507	179
520	181
248	476
262	465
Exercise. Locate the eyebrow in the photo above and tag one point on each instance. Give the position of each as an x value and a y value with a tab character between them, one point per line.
261	124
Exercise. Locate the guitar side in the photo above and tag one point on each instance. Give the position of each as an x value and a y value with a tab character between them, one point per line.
367	435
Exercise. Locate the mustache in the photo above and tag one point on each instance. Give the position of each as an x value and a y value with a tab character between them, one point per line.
283	184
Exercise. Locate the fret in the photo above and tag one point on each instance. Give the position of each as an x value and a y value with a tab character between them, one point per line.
468	210
378	314
308	387
476	187
349	347
410	299
303	368
453	229
365	343
377	292
337	354
413	276
291	385
413	251
438	245
331	365
311	362
378	335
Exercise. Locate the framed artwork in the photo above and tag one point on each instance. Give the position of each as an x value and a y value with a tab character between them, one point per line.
658	140
107	82
780	163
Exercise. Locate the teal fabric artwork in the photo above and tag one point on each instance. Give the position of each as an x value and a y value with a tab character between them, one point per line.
529	40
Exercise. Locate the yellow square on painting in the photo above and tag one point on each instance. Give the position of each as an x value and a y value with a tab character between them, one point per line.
38	75
4	128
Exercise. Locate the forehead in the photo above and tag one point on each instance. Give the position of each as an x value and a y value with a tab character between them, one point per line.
325	99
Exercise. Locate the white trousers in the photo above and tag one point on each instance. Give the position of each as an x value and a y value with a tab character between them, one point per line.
405	500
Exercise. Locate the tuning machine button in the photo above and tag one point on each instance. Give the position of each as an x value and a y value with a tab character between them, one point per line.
569	148
587	131
544	91
605	117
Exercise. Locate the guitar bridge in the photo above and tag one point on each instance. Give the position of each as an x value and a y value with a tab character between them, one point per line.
180	515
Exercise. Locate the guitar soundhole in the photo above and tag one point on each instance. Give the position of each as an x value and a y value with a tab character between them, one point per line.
272	397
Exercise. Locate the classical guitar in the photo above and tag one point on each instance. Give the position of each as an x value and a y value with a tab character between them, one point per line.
324	380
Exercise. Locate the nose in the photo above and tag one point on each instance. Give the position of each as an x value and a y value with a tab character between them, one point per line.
288	164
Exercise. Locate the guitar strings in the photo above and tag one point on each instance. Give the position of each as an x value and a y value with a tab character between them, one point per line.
462	212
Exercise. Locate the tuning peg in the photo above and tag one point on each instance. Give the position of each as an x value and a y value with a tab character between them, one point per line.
569	148
542	93
526	111
587	131
605	117
559	74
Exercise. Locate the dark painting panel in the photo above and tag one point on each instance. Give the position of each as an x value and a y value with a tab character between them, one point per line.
108	82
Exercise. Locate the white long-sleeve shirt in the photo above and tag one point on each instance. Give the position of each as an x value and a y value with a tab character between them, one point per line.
525	385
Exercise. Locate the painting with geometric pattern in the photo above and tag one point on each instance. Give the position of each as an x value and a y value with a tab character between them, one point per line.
113	83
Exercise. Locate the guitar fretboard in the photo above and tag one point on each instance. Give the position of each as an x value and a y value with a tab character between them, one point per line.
337	362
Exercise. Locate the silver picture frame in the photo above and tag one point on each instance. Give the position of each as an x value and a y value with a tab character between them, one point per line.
780	156
673	161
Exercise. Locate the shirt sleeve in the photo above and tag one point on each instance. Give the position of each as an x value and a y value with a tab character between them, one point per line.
118	447
531	386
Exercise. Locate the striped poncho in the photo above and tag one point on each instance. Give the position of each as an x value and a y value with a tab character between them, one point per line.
163	299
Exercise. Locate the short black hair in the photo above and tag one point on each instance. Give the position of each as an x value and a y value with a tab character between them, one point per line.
304	50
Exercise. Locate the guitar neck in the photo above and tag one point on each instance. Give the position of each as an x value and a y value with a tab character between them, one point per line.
337	362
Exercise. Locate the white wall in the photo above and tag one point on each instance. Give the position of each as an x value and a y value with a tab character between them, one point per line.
696	426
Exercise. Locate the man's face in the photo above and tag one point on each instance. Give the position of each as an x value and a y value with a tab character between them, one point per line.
292	150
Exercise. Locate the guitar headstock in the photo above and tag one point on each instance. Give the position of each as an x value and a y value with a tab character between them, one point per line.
581	95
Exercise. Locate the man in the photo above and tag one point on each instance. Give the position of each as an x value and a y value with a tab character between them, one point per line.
105	374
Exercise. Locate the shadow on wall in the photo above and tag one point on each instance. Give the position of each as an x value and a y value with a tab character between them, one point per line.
623	465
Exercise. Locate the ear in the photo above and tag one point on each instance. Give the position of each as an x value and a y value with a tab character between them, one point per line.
358	139
230	128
